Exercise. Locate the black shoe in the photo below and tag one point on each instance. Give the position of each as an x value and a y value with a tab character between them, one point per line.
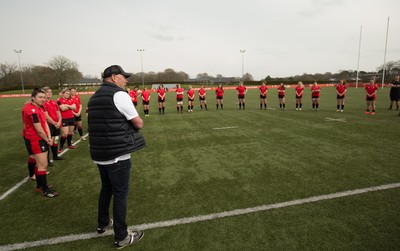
109	226
50	193
58	158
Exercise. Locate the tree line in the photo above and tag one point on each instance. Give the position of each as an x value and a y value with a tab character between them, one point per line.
61	70
57	70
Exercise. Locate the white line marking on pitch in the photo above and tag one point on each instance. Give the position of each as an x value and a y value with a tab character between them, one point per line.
3	196
199	218
337	120
271	108
223	128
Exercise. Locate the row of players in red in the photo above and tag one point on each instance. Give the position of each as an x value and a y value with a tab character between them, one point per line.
341	89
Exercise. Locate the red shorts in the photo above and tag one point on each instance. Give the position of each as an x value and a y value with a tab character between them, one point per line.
36	146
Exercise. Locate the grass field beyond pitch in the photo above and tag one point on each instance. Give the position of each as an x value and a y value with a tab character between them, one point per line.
191	167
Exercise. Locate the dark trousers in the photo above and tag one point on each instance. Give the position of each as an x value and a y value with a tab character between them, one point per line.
114	181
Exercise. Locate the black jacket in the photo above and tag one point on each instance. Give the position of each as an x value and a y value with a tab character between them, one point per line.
110	133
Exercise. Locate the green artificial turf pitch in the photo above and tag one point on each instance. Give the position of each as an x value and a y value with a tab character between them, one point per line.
191	168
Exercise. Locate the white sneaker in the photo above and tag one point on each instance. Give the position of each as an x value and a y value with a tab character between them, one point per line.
133	236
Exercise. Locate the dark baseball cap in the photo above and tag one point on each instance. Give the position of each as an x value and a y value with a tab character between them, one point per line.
115	70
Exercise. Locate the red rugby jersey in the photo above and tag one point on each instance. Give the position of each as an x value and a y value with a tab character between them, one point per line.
299	90
241	89
133	94
190	94
51	107
77	101
371	89
32	114
161	93
146	95
281	91
67	114
179	92
315	91
263	90
219	92
340	88
202	92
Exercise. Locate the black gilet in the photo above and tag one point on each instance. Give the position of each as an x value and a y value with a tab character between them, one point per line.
110	133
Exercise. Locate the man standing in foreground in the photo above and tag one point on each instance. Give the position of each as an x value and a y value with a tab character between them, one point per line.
112	122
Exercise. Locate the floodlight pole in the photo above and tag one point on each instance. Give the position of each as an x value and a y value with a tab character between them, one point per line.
20	70
384	58
141	62
242	51
358	63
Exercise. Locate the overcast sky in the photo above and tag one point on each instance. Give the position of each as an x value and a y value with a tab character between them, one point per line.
281	38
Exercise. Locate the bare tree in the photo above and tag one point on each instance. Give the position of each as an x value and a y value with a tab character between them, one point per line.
182	76
170	75
8	74
345	74
248	77
65	70
136	77
390	67
151	76
203	76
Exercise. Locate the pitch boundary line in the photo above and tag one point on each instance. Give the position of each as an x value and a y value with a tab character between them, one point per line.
200	218
223	128
16	186
335	120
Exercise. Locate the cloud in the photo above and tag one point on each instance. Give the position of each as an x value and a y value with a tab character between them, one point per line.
166	27
183	38
163	37
319	7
